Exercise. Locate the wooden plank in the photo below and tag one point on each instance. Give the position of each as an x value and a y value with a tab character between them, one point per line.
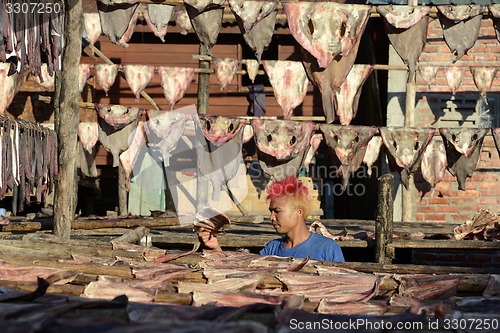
91	224
445	244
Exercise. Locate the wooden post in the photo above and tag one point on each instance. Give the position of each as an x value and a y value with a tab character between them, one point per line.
203	94
384	220
408	194
67	117
122	191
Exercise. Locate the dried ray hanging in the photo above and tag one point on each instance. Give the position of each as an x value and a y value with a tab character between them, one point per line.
138	77
347	147
347	98
289	81
157	17
106	75
174	82
256	20
404	24
92	24
326	29
454	77
461	24
118	19
206	18
463	149
164	130
433	165
406	146
218	162
225	70
282	145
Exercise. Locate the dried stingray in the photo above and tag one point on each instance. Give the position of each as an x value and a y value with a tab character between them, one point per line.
461	26
406	145
330	79
206	18
212	220
463	149
256	20
348	146
403	24
496	138
495	16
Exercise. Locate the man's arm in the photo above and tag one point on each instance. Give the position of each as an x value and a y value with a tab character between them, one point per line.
208	240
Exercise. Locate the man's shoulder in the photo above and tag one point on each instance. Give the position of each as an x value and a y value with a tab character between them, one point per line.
315	237
276	241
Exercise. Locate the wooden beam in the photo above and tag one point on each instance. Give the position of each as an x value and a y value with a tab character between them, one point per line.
90	224
67	117
384	221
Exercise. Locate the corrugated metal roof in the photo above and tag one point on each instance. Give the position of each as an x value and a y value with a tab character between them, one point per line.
434	2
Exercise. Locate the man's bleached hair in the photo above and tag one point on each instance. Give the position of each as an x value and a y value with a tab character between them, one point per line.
293	189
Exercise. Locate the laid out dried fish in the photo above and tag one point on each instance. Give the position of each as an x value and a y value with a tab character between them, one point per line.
212	220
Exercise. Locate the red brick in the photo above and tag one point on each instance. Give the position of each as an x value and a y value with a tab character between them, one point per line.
491	177
430	48
443	185
419	217
426	209
478	48
435	217
477	176
461	200
490	192
461	218
486	184
487	201
468	193
437	200
484	57
472	208
447	209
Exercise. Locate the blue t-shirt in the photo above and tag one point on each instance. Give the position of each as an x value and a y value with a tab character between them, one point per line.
317	247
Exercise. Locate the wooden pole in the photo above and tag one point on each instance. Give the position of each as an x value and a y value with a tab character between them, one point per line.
203	94
122	191
408	193
67	117
384	220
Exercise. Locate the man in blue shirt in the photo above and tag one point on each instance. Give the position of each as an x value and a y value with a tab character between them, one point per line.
289	204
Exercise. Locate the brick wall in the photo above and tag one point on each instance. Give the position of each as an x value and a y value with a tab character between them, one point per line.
437	107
